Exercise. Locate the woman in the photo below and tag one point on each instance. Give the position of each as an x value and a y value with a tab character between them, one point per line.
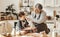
38	18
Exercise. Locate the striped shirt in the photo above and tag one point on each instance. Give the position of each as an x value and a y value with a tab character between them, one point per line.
21	25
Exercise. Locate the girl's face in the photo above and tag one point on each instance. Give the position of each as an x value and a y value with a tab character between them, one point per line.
22	18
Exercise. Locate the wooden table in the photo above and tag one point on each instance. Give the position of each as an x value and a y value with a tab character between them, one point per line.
29	35
32	35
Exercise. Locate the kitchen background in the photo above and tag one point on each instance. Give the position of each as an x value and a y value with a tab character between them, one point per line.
49	7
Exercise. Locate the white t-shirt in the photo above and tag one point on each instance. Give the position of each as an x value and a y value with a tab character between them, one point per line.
41	19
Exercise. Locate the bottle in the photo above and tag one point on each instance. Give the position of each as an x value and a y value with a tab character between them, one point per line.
13	33
43	34
54	32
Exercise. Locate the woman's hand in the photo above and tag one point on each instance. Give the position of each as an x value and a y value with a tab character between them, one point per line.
28	19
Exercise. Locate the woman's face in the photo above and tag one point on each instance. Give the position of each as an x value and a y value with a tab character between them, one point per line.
37	10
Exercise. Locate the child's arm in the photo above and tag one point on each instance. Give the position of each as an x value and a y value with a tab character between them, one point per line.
15	28
18	27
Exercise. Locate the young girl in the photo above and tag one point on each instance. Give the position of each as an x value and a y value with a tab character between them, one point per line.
22	24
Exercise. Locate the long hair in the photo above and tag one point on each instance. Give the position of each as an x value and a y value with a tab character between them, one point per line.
39	6
21	14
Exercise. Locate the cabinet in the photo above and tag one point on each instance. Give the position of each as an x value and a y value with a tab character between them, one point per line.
52	3
26	5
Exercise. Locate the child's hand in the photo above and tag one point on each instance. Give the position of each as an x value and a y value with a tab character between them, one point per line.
23	32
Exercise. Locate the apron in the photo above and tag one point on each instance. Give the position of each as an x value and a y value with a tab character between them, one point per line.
42	26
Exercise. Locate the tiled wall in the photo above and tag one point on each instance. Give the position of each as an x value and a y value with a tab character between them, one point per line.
5	3
48	10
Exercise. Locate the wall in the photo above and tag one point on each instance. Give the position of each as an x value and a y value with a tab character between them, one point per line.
48	10
5	3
